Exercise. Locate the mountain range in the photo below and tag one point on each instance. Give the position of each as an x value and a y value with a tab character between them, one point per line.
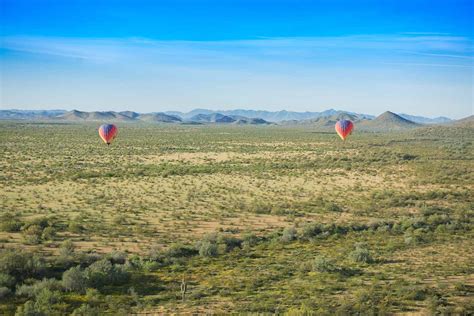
325	119
276	116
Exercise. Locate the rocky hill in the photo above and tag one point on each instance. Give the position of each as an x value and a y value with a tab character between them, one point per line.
387	121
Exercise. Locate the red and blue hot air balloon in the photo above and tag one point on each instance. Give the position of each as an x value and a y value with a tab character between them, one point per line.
344	128
108	132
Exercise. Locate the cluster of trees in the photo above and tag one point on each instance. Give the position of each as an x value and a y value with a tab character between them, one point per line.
29	277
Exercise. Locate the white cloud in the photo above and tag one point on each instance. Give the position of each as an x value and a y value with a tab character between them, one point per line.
428	72
275	49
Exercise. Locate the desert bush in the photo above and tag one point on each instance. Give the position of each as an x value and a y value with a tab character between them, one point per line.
437	305
323	264
28	309
301	311
180	251
42	222
460	287
412	292
66	249
414	237
33	231
118	305
361	254
332	207
289	234
261	208
7	280
4	292
120	219
370	301
10	225
86	259
74	280
93	297
32	234
66	254
150	266
103	272
86	310
176	253
208	249
45	301
117	257
249	240
155	253
135	262
228	243
33	289
48	233
19	264
311	230
75	226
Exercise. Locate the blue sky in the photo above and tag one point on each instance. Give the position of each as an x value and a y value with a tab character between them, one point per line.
365	56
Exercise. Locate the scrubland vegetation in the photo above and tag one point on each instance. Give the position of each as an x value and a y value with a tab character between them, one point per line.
201	219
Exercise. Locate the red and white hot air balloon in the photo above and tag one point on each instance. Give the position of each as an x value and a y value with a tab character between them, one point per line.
344	128
108	132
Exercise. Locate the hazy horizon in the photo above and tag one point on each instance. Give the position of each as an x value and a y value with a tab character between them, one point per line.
217	110
413	57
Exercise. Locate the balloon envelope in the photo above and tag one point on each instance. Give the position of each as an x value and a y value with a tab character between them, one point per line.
108	132
344	128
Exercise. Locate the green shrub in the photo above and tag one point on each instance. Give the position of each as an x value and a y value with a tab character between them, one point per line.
333	207
361	254
117	257
103	272
66	249
180	251
249	240
322	264
10	225
311	230
7	280
289	234
42	222
93	297
436	304
301	311
45	301
415	293
75	227
86	310
208	249
19	264
48	233
4	292
28	309
229	243
414	237
370	301
32	234
150	266
74	280
66	255
33	290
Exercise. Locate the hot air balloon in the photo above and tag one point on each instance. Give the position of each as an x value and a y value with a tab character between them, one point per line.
344	128
108	132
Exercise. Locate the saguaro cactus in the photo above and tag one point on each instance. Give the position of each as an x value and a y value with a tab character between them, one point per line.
184	288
